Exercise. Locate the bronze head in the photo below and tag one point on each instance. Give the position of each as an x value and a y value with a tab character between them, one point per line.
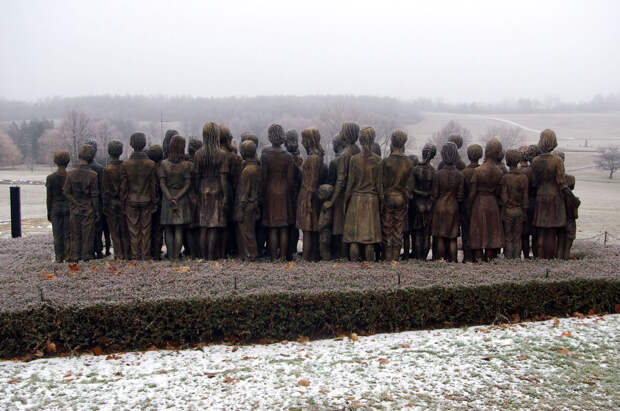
428	152
531	152
193	146
115	148
456	139
311	140
474	152
338	144
249	136
248	149
350	132
166	143
493	149
137	141
225	137
449	153
86	153
61	158
275	133
367	138
292	141
177	149
547	141
155	152
93	144
399	138
513	157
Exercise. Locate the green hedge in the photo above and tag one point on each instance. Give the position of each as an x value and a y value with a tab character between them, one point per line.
139	325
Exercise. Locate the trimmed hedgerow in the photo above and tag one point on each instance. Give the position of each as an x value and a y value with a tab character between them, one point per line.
250	318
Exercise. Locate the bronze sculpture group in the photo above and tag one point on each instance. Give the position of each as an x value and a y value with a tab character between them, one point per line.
214	203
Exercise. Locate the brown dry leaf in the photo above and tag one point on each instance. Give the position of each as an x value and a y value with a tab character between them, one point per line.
235	348
336	265
324	390
67	375
404	346
522	357
383	361
94	268
591	312
340	337
15	381
132	264
482	330
356	404
230	380
302	339
50	347
181	268
74	267
98	350
516	318
556	322
564	351
486	358
303	383
50	276
289	265
394	262
566	334
353	337
217	265
38	353
210	374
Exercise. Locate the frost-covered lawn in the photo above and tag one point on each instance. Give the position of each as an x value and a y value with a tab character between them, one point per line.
570	363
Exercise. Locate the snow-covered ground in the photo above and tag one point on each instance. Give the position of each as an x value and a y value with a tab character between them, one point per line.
567	363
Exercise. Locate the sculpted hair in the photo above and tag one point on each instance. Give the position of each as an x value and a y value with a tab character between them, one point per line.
249	136
292	136
155	152
399	138
311	140
532	151
210	143
62	158
275	133
338	144
225	136
547	141
449	153
166	143
513	157
137	141
493	149
428	152
87	153
115	148
350	132
456	139
367	138
177	149
248	149
93	144
193	146
474	152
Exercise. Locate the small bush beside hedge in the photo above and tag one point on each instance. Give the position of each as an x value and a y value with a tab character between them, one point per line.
250	318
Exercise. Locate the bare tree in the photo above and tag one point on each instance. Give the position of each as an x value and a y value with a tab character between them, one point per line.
609	160
104	133
452	127
76	128
9	153
510	137
51	141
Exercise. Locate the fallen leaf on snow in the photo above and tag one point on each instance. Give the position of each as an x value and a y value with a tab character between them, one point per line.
289	265
303	383
383	361
521	357
556	322
353	337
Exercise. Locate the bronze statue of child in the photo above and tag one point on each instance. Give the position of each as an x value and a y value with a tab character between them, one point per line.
248	201
58	207
112	207
514	198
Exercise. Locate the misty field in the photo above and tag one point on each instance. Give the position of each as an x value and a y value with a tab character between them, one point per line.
600	198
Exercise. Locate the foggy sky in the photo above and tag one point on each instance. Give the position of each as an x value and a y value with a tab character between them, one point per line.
458	51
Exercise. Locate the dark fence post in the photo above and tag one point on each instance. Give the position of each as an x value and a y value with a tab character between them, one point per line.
16	213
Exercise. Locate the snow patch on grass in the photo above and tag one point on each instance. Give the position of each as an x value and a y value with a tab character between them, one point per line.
573	363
